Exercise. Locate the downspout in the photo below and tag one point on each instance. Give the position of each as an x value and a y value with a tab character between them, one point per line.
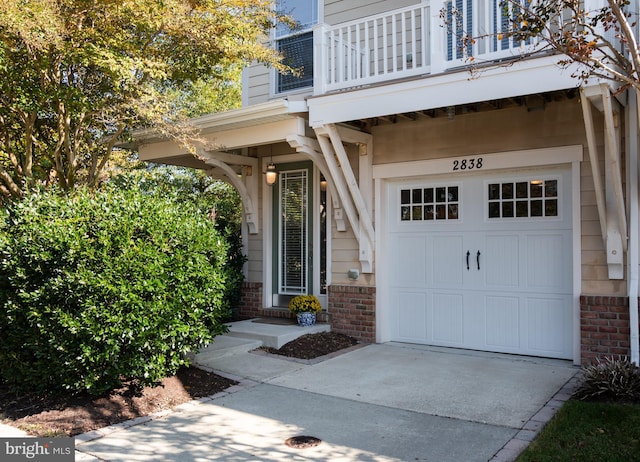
632	252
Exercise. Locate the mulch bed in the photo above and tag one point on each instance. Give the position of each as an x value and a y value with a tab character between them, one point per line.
76	414
80	413
311	346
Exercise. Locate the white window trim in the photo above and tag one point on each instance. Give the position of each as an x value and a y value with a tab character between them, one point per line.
519	179
273	74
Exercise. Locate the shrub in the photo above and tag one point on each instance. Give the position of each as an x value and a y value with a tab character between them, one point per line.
610	379
100	287
212	197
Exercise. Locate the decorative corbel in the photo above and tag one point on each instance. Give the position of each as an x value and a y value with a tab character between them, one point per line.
311	148
610	195
248	191
351	197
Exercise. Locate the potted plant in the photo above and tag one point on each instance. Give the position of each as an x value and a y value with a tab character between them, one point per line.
305	307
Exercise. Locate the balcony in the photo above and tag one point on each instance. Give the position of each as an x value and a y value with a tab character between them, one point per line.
410	42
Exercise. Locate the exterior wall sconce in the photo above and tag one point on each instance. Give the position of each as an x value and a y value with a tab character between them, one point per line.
271	176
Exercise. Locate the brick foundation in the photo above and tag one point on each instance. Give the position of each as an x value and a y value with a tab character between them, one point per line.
604	328
352	311
251	300
251	305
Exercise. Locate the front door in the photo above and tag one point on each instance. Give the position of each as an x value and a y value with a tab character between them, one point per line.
293	225
483	262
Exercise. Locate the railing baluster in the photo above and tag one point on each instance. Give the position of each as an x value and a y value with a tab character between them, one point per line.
347	53
376	54
403	38
414	54
339	63
394	42
332	57
385	40
365	49
426	59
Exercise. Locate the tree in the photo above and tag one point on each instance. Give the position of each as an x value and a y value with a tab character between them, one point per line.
76	74
601	39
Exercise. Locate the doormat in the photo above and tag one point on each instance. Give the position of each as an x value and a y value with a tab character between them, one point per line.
278	321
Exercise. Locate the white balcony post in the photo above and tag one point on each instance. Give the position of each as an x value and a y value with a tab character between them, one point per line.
320	59
438	38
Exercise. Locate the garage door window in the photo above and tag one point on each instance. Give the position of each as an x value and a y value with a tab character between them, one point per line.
523	199
425	204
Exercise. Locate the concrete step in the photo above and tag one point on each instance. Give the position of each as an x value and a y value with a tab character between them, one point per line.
272	335
225	345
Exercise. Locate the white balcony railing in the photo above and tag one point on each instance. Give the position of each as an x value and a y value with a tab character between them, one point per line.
408	42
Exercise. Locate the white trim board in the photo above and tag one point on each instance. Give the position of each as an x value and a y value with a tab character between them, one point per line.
451	88
502	160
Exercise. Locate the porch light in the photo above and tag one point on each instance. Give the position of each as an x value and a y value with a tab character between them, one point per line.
271	175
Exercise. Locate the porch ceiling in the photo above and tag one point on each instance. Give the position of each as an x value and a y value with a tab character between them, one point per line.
532	102
517	82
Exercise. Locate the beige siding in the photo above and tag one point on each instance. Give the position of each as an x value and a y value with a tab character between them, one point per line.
254	263
258	84
559	124
510	129
339	11
344	255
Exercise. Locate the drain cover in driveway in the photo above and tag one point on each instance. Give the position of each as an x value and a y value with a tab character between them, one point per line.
302	442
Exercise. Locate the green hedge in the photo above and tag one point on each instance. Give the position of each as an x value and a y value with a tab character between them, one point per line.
99	287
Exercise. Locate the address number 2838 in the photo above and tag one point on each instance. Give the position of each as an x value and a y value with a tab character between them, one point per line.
467	164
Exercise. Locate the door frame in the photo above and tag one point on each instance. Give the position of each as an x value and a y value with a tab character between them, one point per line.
268	253
282	299
384	174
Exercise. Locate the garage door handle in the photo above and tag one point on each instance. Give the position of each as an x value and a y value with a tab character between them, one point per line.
478	259
468	253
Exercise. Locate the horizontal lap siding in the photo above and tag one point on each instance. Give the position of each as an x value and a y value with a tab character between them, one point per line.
258	84
339	11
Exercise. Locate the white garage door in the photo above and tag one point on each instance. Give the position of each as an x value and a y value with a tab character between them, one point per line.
483	262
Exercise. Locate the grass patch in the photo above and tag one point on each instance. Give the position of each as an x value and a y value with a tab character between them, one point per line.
589	431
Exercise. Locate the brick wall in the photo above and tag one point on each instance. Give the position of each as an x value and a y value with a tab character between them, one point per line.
250	300
352	311
604	328
251	305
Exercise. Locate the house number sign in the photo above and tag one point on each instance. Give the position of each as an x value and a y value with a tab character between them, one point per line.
473	163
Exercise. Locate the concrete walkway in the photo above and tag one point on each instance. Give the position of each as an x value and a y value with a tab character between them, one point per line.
390	402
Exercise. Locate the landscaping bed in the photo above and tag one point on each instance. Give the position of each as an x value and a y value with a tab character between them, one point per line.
76	414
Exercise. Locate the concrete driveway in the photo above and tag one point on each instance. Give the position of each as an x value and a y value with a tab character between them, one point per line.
390	402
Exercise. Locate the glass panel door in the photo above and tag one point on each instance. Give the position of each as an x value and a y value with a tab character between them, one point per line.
293	274
299	234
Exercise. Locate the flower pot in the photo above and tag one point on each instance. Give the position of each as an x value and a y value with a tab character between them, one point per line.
306	319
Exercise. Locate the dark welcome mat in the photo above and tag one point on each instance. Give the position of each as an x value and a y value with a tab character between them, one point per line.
278	321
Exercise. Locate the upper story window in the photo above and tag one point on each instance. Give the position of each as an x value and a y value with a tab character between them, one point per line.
296	43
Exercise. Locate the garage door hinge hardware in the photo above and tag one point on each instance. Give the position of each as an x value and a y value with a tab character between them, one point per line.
468	253
478	259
